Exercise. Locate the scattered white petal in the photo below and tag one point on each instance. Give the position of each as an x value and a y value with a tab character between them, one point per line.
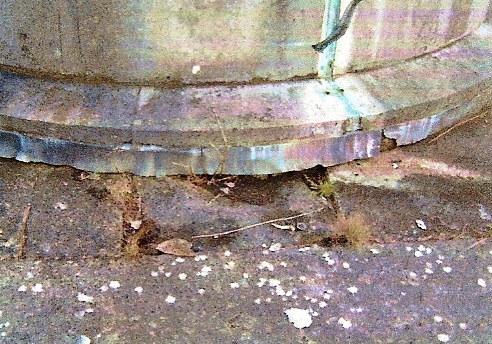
60	205
89	310
85	298
229	265
136	224
330	261
289	293
268	299
204	271
303	249
179	260
346	265
302	278
375	251
257	301
245	275
262	282
463	326
84	340
195	69
284	264
200	257
421	248
170	299
265	265
437	318
182	276
114	284
139	290
444	338
279	291
409	249
345	323
481	282
299	317
227	253
412	274
421	224
429	271
273	282
168	274
489	269
234	285
154	273
322	304
490	252
428	250
353	290
22	288
447	269
418	254
38	288
439	261
201	291
275	247
104	288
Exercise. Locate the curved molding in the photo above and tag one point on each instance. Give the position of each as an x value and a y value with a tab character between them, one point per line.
246	129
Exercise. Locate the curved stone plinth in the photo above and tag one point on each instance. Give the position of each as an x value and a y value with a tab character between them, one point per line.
243	129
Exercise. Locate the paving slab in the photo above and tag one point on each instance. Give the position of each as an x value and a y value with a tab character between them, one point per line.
398	294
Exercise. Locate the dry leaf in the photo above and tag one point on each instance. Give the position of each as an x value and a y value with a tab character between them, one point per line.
176	247
287	227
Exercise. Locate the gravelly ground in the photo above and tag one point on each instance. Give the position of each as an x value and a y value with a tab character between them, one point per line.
68	274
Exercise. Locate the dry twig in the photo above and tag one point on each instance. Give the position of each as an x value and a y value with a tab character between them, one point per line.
456	125
216	235
22	238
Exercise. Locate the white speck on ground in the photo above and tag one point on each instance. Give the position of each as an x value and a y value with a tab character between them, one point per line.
138	290
60	205
85	298
182	276
257	301
170	299
84	340
375	251
195	69
428	271
204	271
179	260
447	269
303	249
302	278
345	323
22	288
352	290
420	224
234	285
229	265
418	254
265	265
245	275
412	274
154	273
104	288
409	249
481	282
201	291
114	285
444	338
346	265
463	326
38	288
273	282
275	247
201	257
489	269
227	253
437	318
299	317
322	304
